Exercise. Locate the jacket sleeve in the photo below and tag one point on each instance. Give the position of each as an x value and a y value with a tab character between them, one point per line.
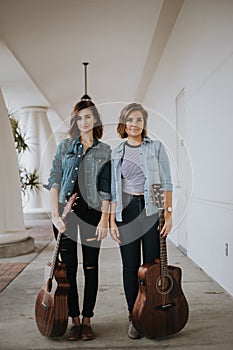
164	169
55	177
104	183
104	180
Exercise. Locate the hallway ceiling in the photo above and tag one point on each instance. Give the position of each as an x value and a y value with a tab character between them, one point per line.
43	44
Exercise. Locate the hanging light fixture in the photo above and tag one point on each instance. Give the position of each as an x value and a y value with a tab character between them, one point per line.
85	97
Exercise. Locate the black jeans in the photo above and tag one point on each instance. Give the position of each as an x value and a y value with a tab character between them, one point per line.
87	219
136	231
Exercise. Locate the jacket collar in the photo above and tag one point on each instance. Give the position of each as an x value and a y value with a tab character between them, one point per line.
147	140
78	141
75	145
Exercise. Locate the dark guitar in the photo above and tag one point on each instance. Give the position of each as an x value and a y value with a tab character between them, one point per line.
161	308
51	309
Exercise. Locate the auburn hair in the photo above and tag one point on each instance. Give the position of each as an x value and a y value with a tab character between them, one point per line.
124	115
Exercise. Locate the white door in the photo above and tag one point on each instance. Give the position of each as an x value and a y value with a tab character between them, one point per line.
184	173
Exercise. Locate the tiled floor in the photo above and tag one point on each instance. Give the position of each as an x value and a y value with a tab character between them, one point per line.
8	271
209	326
41	231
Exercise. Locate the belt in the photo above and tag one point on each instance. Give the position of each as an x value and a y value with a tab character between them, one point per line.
134	195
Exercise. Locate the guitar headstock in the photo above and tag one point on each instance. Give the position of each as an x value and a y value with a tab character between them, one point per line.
158	195
69	205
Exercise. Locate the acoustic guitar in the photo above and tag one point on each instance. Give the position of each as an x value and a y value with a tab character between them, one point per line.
161	308
51	308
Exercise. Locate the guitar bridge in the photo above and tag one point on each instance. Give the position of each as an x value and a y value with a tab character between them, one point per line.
165	307
44	306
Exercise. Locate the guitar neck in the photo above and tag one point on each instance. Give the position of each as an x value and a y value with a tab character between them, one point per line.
163	246
55	255
66	211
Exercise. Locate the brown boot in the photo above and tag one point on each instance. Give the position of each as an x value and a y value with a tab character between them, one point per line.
74	333
86	332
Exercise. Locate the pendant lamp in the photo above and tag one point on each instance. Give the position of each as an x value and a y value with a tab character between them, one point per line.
85	97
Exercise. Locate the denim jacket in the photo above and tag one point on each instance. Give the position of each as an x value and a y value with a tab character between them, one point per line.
65	166
155	164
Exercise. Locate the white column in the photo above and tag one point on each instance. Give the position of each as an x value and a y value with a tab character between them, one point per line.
33	121
14	239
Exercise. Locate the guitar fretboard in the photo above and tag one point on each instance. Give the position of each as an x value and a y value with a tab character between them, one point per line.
163	246
163	256
66	211
55	254
158	196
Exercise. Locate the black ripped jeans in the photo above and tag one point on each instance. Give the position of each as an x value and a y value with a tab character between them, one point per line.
87	220
136	231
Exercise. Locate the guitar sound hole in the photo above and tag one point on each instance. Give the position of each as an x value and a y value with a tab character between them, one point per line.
49	285
164	284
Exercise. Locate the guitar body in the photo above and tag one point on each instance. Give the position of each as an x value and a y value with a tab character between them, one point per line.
160	308
51	308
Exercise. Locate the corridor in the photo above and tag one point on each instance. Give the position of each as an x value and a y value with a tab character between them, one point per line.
210	324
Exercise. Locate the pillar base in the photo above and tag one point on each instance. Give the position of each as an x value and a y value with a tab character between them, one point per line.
36	214
14	244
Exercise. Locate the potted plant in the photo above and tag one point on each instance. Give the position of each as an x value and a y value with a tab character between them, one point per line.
29	180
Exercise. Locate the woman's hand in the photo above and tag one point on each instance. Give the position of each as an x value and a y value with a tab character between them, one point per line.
114	231
102	228
56	219
167	225
59	223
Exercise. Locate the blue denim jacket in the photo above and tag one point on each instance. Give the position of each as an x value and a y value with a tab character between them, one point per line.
155	165
65	166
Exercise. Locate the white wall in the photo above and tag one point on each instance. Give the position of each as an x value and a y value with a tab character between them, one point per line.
199	58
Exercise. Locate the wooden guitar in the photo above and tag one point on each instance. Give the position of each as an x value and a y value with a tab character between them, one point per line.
51	308
161	308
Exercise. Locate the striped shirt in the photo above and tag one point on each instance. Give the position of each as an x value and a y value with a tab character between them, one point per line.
133	178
